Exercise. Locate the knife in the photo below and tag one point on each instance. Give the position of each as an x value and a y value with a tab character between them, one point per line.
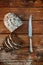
30	32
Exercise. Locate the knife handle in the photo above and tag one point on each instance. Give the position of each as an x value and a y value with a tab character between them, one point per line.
31	48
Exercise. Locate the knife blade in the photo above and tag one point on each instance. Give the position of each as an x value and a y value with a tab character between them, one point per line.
30	32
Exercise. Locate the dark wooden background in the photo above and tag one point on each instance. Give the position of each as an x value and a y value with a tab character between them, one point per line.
23	9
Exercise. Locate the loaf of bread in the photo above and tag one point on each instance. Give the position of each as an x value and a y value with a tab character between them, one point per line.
12	42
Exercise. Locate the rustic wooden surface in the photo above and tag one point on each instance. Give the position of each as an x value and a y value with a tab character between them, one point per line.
23	9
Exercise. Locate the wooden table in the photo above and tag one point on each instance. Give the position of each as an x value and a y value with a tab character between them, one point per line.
23	9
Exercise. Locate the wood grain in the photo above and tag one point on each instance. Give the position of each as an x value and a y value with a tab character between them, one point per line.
23	53
25	3
37	39
21	3
23	13
23	9
37	28
4	3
